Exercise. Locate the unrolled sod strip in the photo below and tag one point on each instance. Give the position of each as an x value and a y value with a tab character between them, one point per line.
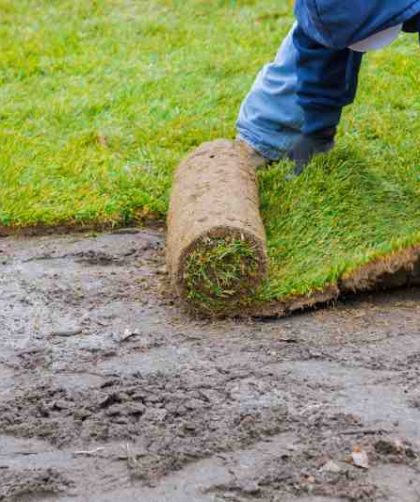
216	247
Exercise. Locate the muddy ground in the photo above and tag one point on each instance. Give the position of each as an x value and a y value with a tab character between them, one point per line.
109	392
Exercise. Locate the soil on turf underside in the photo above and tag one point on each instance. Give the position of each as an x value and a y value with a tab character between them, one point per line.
109	392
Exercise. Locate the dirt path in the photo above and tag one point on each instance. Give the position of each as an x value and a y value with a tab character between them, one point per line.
107	392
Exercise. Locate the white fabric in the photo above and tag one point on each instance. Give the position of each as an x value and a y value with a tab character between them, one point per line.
378	41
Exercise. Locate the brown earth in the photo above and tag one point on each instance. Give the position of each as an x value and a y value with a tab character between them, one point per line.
109	392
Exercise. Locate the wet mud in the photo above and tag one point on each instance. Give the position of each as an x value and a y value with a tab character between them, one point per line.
108	391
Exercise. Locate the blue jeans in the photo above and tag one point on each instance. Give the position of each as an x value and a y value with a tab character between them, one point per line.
270	118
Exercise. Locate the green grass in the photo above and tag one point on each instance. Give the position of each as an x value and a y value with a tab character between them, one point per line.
221	274
99	100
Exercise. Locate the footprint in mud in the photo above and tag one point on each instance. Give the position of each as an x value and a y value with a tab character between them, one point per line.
177	417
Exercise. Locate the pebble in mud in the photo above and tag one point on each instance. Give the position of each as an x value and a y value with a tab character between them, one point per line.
67	331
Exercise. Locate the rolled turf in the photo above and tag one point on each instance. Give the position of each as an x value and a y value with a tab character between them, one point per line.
100	101
216	245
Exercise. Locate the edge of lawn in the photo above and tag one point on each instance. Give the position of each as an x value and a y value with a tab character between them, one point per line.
142	218
381	271
399	267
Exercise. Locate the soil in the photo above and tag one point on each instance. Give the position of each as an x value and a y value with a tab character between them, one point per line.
108	391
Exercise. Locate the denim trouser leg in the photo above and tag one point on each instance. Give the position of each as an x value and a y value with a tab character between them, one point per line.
270	118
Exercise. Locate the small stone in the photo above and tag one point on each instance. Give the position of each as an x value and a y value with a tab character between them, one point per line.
189	427
67	331
360	458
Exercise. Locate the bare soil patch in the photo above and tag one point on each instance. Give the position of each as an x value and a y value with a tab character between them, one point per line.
109	392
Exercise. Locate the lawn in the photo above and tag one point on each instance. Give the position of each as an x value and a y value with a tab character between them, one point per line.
99	100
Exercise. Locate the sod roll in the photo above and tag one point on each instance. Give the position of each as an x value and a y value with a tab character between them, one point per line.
216	246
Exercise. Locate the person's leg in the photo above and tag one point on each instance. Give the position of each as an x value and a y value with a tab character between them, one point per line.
270	119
